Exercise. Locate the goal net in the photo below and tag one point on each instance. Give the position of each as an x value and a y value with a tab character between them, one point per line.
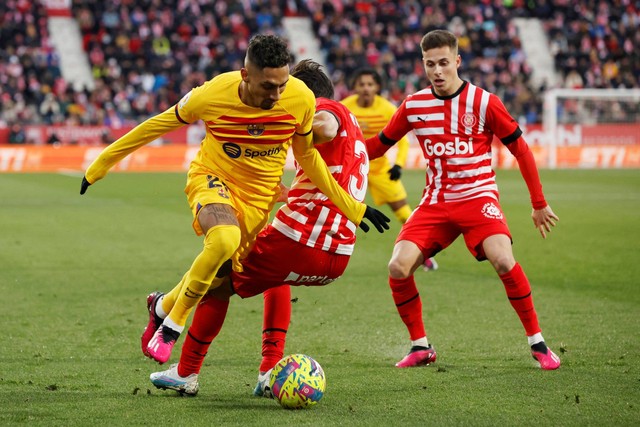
591	128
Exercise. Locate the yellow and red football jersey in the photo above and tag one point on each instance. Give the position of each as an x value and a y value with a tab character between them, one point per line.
246	146
371	120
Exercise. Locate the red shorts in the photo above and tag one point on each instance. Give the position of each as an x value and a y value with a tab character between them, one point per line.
434	227
277	260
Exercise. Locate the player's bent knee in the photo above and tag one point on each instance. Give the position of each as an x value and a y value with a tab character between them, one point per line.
399	270
503	264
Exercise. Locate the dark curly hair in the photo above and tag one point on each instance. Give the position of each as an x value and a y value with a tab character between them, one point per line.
366	72
310	72
268	51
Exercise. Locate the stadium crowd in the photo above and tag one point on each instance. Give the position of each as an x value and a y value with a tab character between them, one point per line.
145	54
592	42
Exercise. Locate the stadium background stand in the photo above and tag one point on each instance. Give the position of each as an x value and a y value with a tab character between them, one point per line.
145	54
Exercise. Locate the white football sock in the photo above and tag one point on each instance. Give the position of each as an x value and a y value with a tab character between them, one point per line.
535	339
420	342
158	308
173	325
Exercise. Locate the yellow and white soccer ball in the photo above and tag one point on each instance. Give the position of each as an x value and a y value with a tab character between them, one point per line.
297	381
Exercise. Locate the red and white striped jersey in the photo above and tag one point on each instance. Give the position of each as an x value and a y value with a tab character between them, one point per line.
309	217
455	134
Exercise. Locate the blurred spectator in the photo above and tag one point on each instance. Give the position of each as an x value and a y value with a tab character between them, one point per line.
50	109
53	139
17	134
105	137
112	118
573	80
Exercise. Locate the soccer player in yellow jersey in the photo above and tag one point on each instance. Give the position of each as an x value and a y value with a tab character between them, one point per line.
251	116
373	113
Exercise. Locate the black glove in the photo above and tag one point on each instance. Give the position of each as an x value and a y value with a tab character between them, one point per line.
395	172
377	218
85	184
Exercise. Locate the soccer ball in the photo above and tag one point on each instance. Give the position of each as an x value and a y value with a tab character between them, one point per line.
297	381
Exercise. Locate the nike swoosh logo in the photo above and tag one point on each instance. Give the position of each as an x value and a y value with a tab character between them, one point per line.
190	294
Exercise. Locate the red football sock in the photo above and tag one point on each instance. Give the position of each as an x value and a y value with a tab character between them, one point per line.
519	292
207	322
277	315
409	305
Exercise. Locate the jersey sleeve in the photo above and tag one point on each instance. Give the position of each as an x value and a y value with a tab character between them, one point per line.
500	121
527	165
322	105
316	169
398	125
331	110
403	151
190	107
314	166
306	126
403	143
507	130
141	135
308	108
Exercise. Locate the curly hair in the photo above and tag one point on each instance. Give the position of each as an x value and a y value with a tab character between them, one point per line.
310	72
366	72
268	51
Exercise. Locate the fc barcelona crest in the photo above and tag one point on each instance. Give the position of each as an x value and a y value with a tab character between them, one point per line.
256	129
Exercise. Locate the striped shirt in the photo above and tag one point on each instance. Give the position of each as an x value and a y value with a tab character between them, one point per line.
309	217
455	134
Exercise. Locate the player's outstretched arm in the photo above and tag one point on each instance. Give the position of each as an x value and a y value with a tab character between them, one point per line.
141	135
325	128
542	215
316	169
403	151
85	184
544	219
378	145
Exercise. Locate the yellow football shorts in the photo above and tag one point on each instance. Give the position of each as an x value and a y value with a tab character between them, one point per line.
383	190
203	189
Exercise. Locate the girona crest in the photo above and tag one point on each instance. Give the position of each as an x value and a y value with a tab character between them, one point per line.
491	211
469	120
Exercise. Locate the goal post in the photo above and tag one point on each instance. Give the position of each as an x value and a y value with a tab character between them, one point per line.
591	128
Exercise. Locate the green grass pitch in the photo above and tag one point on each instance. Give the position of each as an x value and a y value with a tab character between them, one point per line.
75	272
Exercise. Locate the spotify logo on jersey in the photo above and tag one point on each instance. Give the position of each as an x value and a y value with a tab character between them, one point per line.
232	150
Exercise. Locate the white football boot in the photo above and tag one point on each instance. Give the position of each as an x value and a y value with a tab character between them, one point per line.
262	388
170	379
